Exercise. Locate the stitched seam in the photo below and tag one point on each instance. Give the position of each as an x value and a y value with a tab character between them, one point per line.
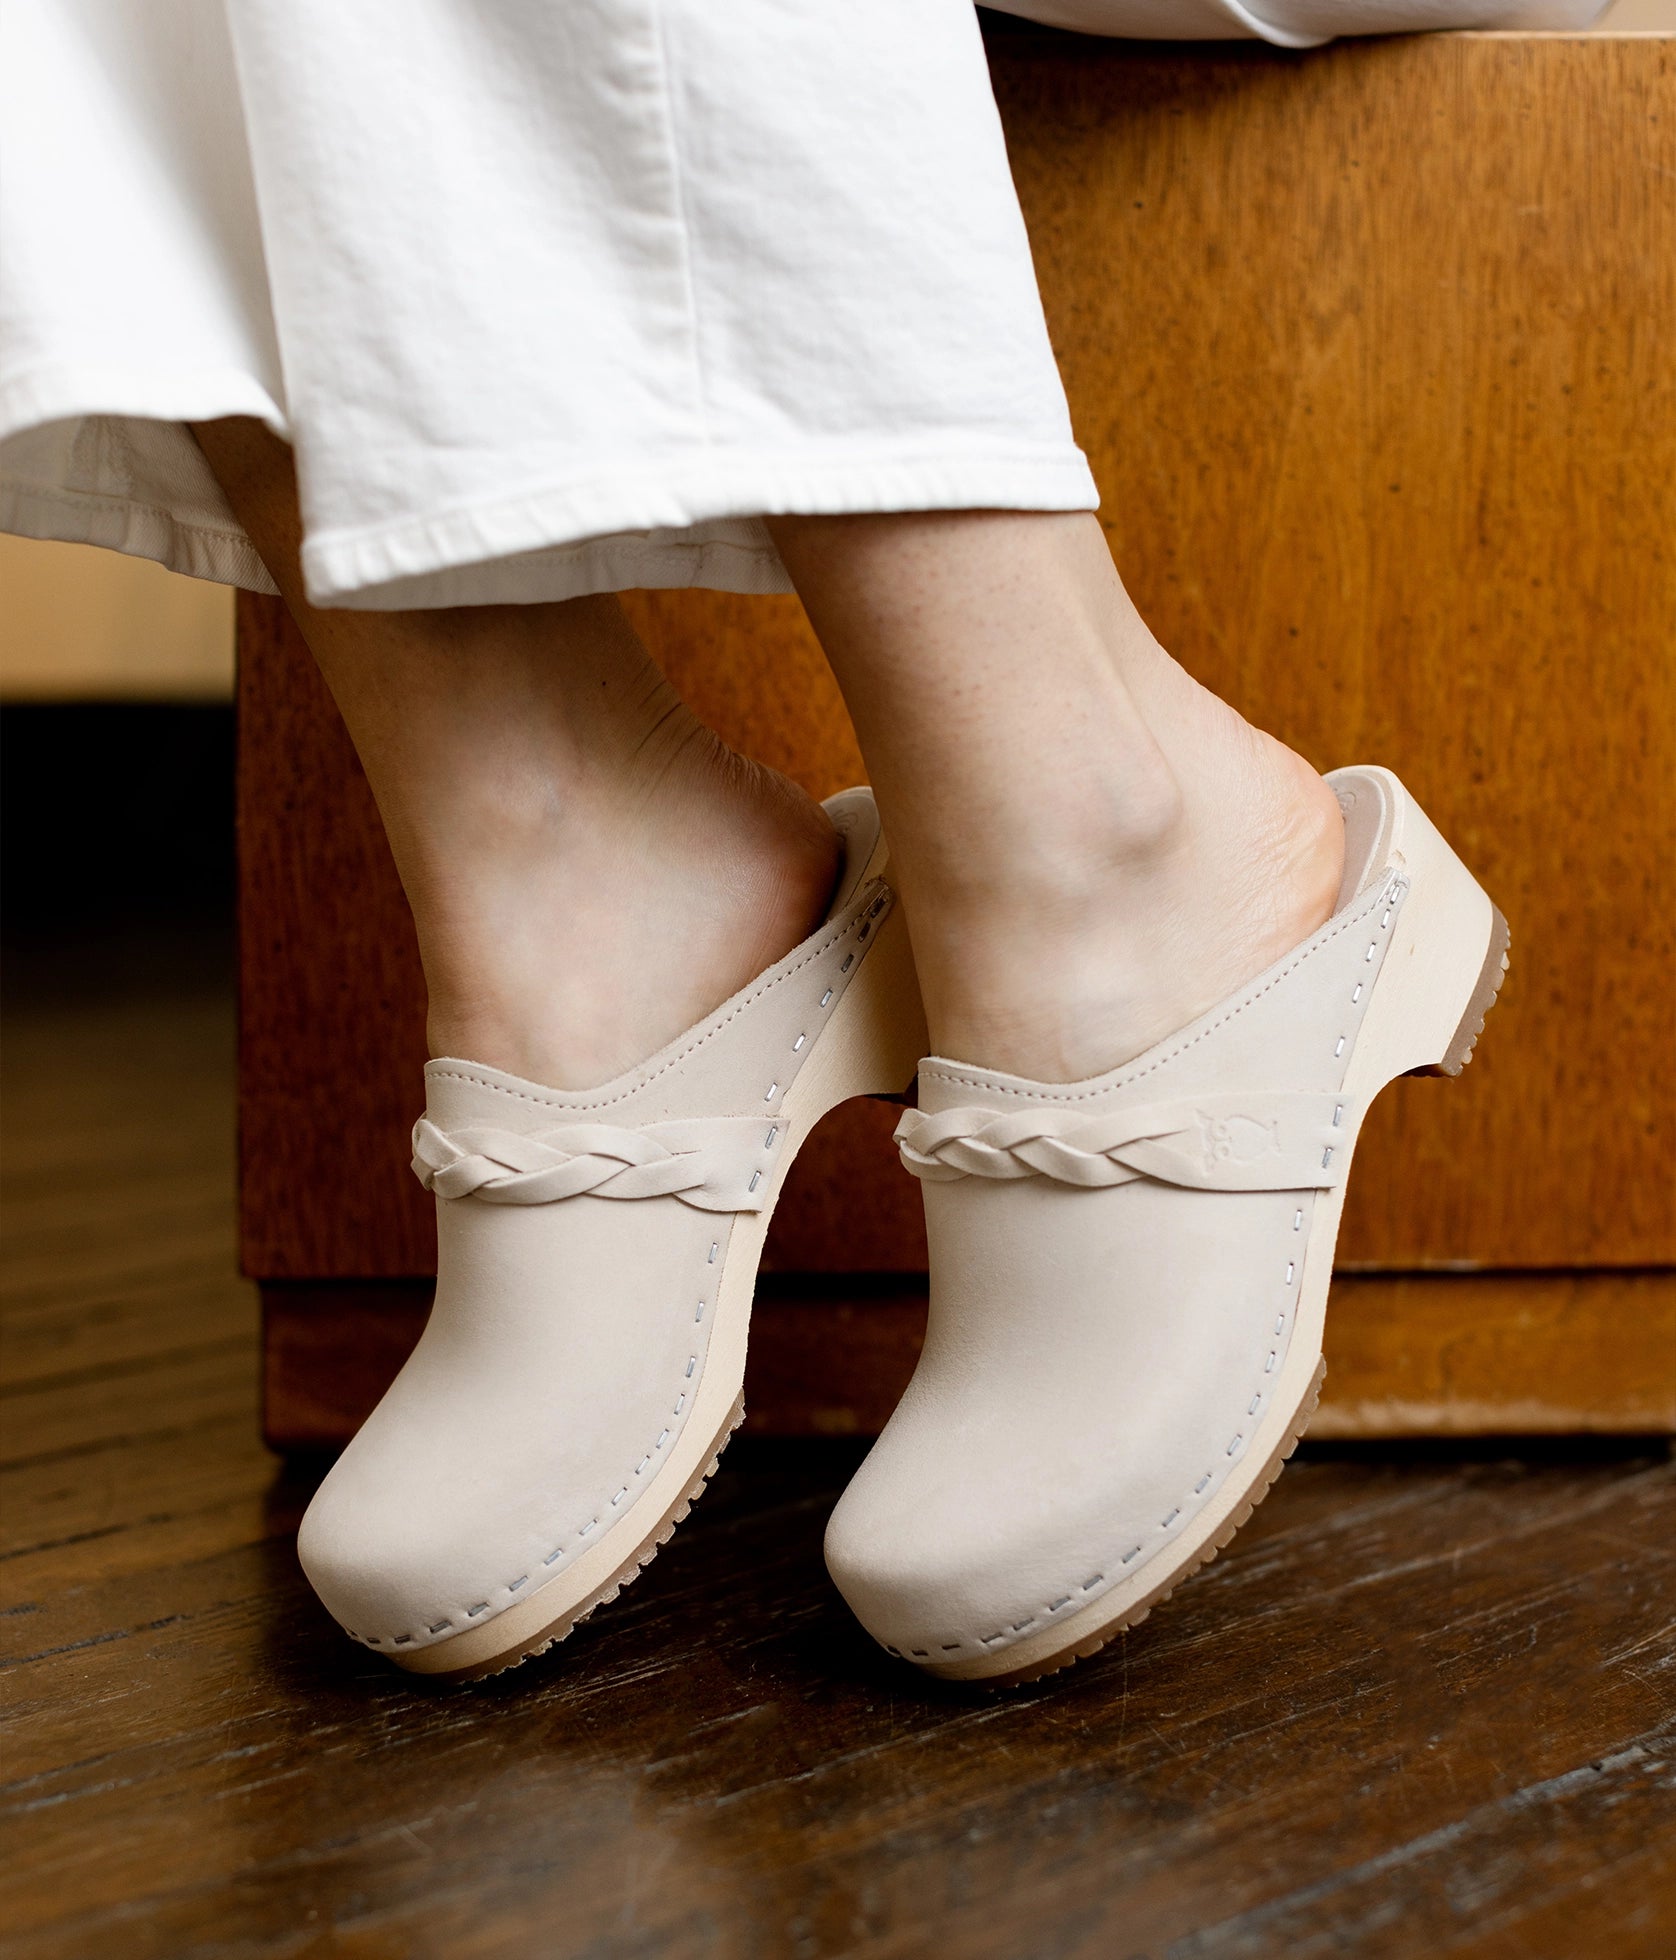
103	500
678	198
1123	1082
1390	894
1183	1512
763	987
559	1557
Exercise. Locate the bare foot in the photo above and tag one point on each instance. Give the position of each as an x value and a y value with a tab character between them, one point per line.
589	933
1227	858
1091	848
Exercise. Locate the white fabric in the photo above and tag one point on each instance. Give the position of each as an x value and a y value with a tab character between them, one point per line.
1294	23
551	296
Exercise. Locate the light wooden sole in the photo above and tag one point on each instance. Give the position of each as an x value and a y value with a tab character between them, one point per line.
630	1570
1494	972
1200	1557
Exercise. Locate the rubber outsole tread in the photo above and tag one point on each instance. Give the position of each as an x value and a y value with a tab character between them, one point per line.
1083	1649
1484	995
625	1575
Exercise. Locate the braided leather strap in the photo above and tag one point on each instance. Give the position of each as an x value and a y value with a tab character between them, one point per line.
713	1163
1253	1142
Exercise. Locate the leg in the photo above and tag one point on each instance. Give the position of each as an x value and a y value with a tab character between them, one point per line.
590	873
561	822
1092	849
1128	1277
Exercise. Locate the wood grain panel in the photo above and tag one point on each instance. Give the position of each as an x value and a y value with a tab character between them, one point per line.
1369	348
331	998
1407	1355
1417	1709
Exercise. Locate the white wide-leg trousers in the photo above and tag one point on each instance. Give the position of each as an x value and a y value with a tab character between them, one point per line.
549	296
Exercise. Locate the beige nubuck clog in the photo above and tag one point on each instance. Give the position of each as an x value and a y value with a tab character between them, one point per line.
1129	1277
596	1256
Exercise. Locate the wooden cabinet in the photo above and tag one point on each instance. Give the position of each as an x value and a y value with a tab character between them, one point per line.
1370	349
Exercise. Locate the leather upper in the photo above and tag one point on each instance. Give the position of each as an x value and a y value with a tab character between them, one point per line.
1114	1266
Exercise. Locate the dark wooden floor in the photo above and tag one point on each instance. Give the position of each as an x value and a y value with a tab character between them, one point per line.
1427	1705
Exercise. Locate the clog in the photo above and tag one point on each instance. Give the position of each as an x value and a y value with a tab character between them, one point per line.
1129	1276
597	1251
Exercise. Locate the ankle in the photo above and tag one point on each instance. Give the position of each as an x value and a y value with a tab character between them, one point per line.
1077	960
585	947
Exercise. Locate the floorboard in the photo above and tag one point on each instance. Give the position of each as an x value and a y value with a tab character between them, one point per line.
1426	1705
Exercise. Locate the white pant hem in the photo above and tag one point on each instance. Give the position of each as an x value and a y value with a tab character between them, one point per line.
38	510
613	532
